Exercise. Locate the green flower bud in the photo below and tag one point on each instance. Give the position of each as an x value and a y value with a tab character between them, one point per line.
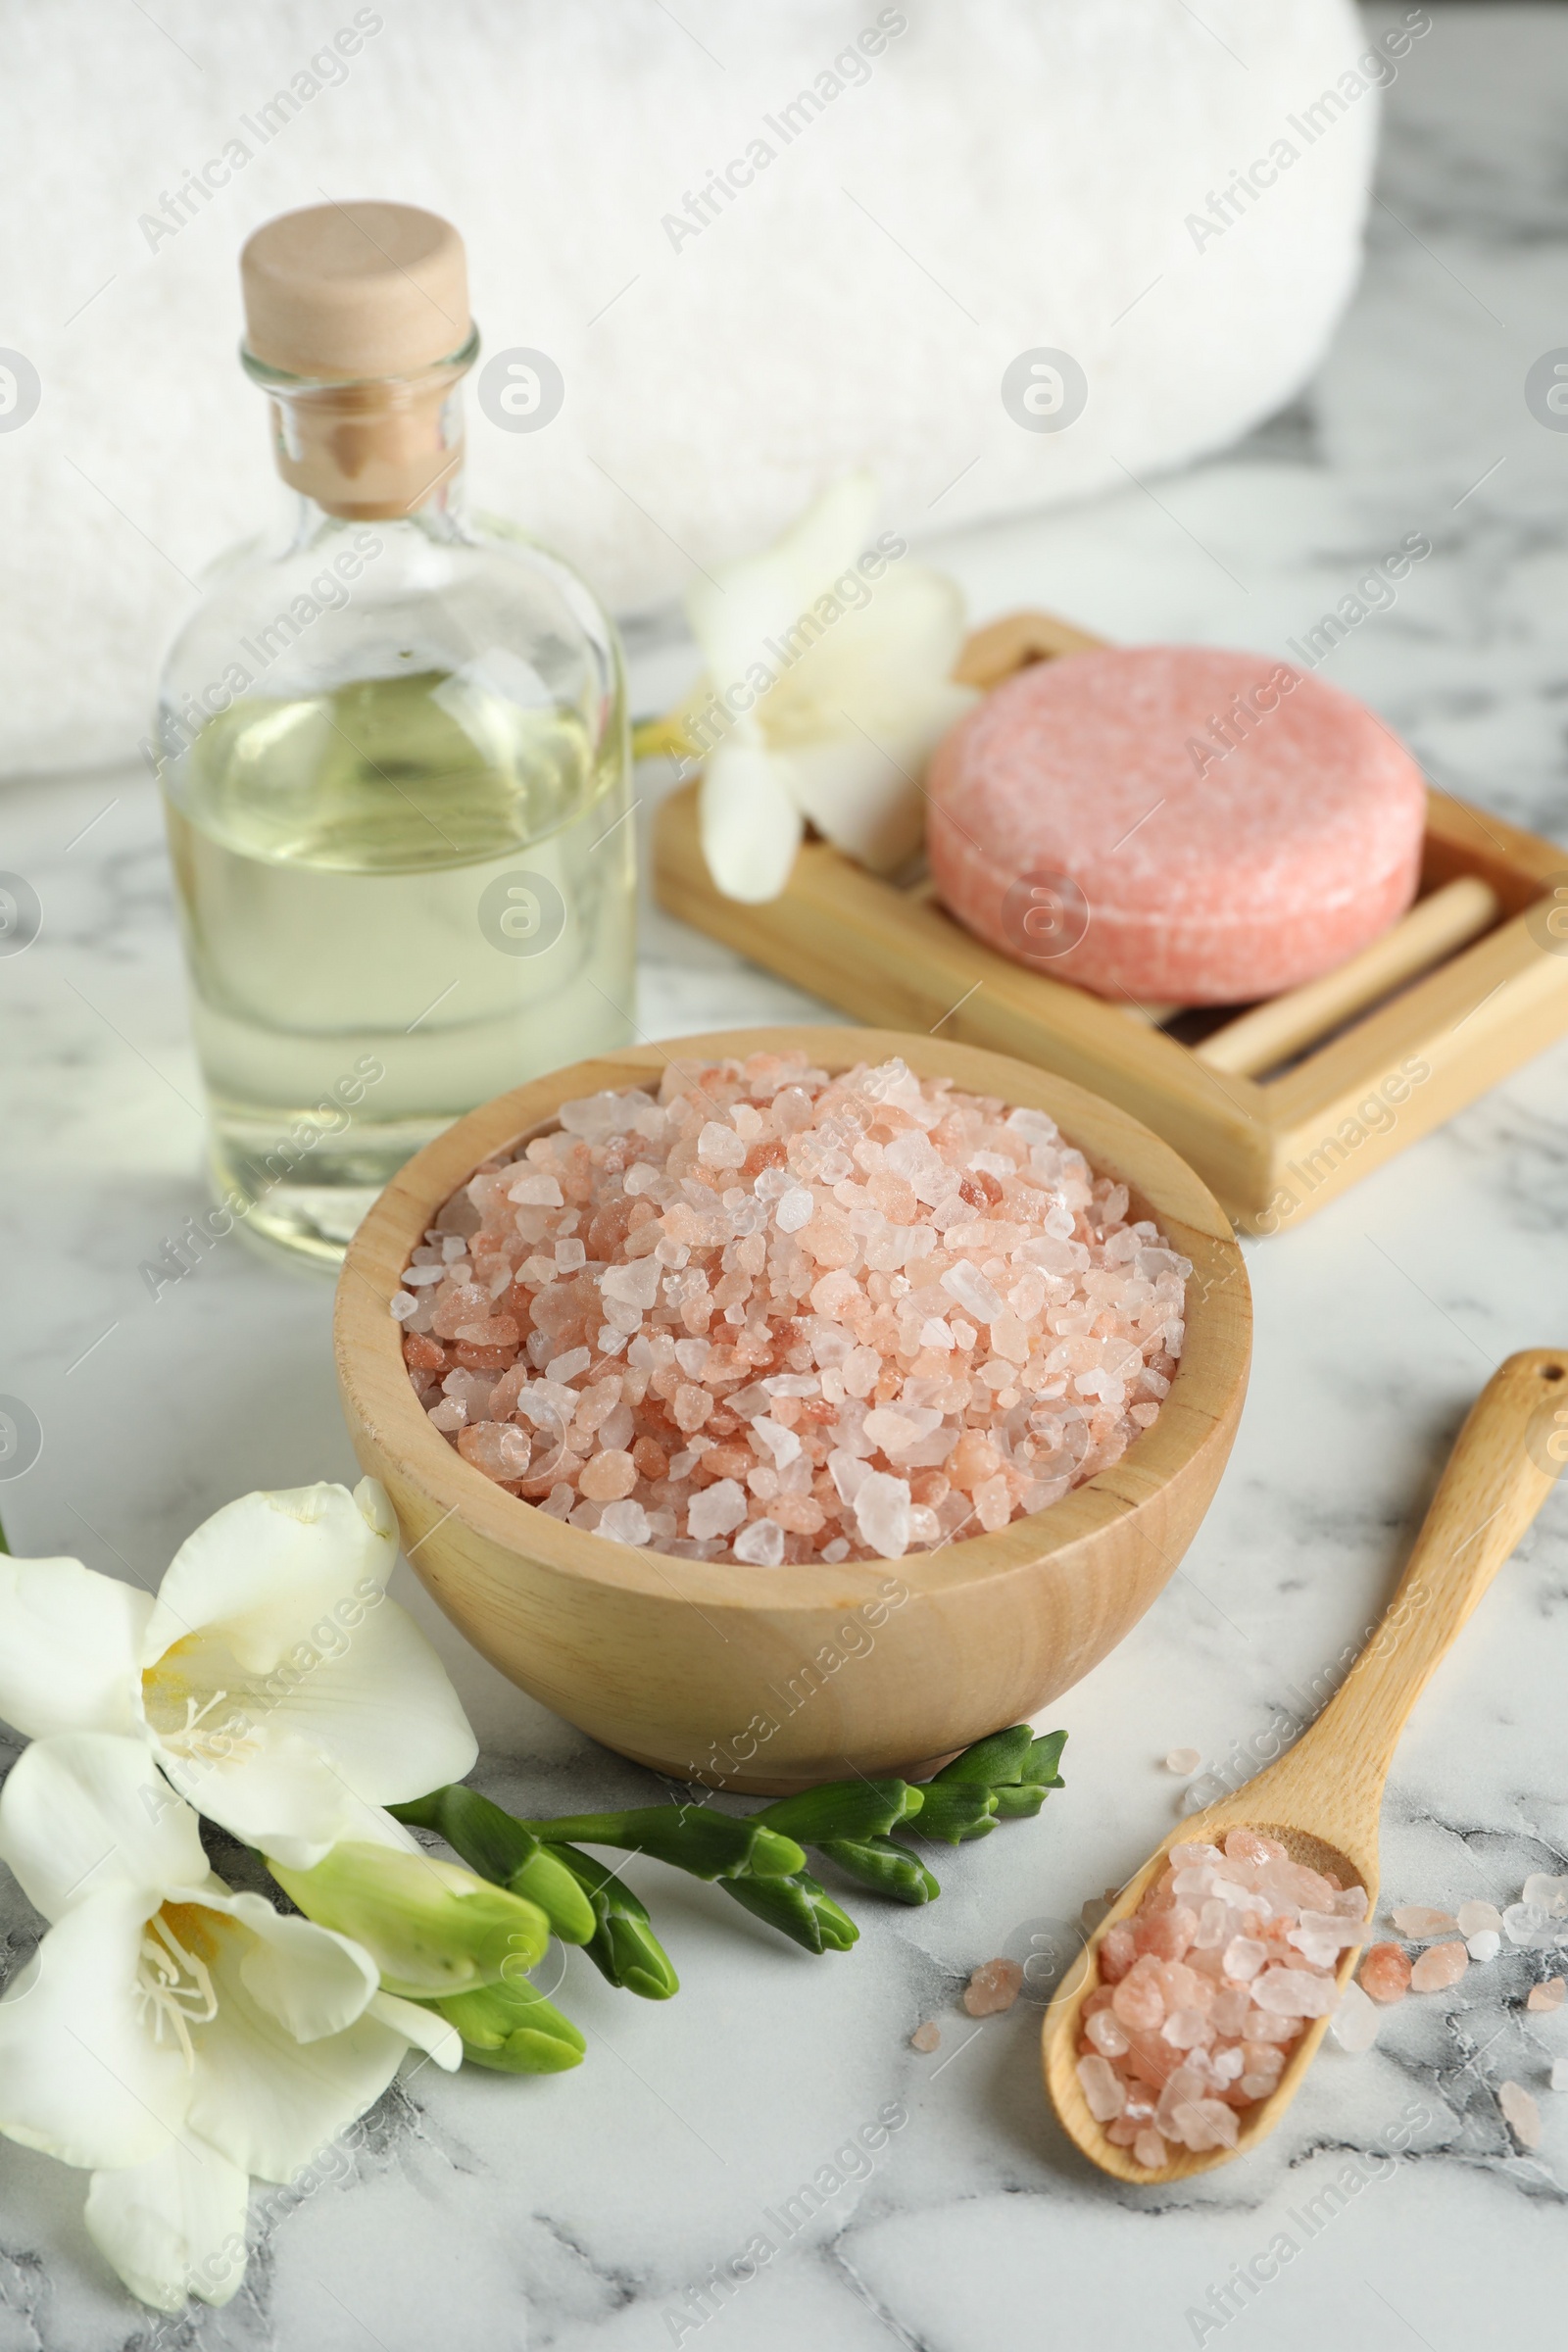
991	1762
956	1811
500	1850
877	1862
430	1927
842	1809
512	2029
623	1947
798	1908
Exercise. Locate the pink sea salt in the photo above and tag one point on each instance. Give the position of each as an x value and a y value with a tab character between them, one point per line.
1439	1966
775	1316
992	1988
1205	1989
1385	1973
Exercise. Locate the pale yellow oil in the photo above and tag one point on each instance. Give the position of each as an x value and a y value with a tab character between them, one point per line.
399	898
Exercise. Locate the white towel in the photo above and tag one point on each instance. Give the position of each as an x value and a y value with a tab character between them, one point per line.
762	244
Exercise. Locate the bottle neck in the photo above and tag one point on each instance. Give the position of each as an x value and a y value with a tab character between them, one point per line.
378	450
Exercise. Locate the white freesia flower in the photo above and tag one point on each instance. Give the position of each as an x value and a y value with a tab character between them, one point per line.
829	683
168	2035
278	1687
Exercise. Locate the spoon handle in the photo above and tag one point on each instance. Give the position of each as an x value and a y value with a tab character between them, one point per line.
1512	1447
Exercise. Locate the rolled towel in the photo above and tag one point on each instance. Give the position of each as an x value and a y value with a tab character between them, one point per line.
1006	254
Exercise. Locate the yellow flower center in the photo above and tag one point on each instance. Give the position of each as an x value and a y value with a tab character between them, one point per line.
173	1980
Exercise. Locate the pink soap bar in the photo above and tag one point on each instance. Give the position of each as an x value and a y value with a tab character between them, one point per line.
1175	825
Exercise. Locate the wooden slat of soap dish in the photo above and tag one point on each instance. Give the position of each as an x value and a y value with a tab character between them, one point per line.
1368	1058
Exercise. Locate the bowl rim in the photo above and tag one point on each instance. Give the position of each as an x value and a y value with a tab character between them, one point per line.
380	1404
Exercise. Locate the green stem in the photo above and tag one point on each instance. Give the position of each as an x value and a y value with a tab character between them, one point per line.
692	1837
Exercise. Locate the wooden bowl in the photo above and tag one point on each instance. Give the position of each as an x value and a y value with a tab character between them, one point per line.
768	1680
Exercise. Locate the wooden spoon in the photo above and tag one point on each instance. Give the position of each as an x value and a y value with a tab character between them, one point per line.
1323	1798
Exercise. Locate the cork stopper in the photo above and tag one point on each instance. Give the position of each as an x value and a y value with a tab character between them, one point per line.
353	290
368	306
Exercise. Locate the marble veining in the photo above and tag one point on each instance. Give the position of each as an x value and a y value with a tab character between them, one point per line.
589	2211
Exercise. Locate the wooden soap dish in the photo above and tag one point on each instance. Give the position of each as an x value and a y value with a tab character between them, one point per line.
1279	1106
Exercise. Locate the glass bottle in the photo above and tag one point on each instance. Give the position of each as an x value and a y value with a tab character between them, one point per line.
393	745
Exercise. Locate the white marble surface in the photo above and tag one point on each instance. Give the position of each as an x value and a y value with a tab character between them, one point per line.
577	2212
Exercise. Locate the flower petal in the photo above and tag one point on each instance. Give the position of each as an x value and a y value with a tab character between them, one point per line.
422	2027
70	1643
80	2074
762	596
862	788
750	825
903	641
266	2100
86	1813
267	1566
319	1747
174	2226
313	1980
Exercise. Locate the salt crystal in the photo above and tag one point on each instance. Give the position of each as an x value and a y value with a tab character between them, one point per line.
1108	2033
1150	2149
972	1291
1102	2089
1532	1929
1355	2023
760	1544
1473	1918
1484	1944
1418	1923
564	1368
1546	1996
1546	1895
1385	1973
882	1514
1183	1760
795	1210
992	1988
1243	1957
926	2037
1520	2113
535	1190
717	1509
1295	1993
1439	1966
625	1522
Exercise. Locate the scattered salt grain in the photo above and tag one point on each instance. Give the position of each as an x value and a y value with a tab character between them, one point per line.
1484	1944
1477	1918
1546	1895
1184	1760
926	2037
1354	2024
1520	2113
1532	1929
1418	1923
1546	1996
993	1986
1385	1974
1439	1966
786	1316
